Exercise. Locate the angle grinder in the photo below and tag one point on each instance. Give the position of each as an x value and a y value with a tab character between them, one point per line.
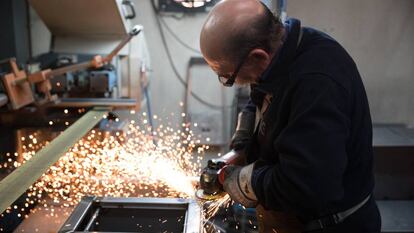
212	177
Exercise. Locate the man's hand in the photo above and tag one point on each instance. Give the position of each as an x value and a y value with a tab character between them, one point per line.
237	183
244	130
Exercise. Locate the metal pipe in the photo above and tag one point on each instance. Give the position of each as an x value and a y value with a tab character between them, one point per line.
16	183
135	31
95	102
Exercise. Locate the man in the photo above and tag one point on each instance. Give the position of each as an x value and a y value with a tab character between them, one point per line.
309	161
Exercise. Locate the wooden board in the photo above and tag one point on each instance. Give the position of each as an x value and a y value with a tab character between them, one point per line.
82	18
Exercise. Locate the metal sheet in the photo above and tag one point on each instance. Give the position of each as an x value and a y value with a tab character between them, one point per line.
392	135
397	216
15	184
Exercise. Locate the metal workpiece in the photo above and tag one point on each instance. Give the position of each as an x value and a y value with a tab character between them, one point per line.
110	214
16	183
396	216
100	102
3	99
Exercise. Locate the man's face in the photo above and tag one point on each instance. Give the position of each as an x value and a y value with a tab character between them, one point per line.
246	70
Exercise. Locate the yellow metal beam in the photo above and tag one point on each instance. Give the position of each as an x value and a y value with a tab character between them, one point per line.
17	182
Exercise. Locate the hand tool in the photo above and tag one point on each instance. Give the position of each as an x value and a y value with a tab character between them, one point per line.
212	177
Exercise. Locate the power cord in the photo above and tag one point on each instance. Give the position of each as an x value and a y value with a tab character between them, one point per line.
177	74
176	37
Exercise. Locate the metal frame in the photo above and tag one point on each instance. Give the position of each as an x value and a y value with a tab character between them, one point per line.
16	183
192	223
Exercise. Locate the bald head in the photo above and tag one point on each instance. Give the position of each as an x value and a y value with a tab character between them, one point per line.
235	25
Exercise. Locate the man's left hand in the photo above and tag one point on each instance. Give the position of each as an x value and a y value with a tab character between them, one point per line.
237	183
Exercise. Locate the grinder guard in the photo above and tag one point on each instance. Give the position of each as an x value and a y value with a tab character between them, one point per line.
212	177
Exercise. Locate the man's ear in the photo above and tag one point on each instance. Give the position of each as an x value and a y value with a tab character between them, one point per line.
259	59
259	55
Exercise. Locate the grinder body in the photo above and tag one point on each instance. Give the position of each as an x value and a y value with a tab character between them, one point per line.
212	177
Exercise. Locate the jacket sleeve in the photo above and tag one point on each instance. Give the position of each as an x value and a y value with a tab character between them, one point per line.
249	107
311	149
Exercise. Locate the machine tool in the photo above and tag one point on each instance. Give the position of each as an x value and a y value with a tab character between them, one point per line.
212	177
18	83
73	63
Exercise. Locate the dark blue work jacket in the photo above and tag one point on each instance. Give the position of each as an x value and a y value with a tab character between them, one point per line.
313	146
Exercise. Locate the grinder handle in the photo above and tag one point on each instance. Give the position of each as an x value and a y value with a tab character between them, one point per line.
231	158
222	175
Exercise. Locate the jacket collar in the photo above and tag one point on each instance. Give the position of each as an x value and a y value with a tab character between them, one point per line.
278	68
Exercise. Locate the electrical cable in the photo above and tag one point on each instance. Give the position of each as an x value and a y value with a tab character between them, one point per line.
175	36
151	122
174	68
146	94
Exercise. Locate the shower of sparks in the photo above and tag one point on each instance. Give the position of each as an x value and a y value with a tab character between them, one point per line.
213	206
117	164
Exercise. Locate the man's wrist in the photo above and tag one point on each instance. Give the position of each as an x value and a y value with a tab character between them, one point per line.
238	185
245	182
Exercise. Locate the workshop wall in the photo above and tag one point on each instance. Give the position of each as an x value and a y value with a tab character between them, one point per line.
379	35
39	34
166	90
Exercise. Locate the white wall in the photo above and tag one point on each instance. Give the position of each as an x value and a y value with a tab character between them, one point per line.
379	35
39	34
166	91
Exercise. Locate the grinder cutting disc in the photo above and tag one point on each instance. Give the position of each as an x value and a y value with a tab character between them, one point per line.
210	187
208	197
